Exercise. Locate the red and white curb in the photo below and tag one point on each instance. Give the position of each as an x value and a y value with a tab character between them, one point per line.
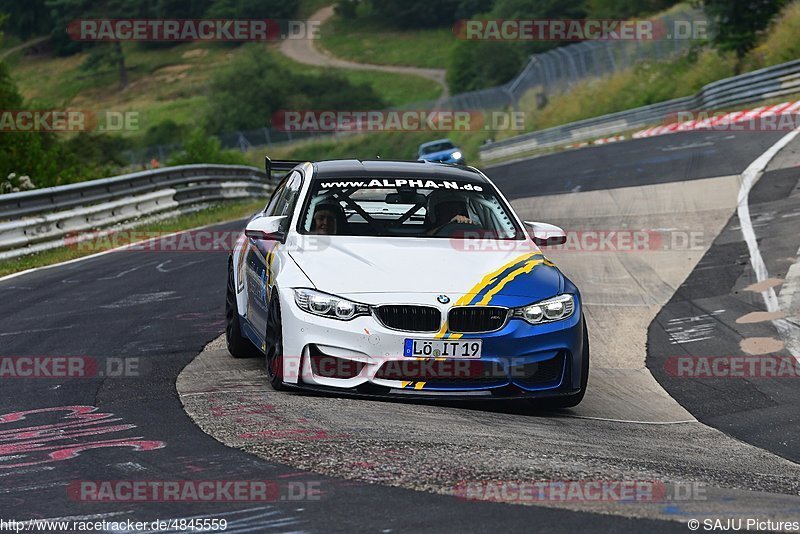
719	122
603	141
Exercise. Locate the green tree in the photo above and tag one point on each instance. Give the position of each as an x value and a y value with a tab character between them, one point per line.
252	9
416	13
737	24
65	13
623	9
185	9
27	18
480	64
246	93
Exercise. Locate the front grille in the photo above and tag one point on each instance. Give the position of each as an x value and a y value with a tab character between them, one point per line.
409	318
539	373
477	319
443	372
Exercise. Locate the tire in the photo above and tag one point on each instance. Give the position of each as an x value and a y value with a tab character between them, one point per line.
570	401
274	339
238	345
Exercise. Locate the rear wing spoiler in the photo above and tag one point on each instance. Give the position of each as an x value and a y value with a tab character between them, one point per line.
280	165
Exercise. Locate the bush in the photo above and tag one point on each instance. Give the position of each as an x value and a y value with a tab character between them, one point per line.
200	148
479	64
48	159
13	183
646	83
250	90
166	132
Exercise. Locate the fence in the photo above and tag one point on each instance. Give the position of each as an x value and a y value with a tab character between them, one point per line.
764	84
33	221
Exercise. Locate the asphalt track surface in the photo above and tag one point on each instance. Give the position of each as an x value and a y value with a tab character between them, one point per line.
164	308
719	299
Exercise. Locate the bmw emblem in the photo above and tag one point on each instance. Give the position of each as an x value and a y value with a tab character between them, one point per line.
444	299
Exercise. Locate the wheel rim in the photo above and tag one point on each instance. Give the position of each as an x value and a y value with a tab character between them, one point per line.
230	308
274	344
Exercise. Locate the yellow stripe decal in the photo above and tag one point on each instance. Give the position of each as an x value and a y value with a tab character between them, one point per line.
528	267
527	262
419	385
492	277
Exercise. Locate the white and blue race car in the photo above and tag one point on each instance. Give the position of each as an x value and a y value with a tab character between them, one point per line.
404	278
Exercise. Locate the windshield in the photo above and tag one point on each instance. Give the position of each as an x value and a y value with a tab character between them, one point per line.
408	208
436	147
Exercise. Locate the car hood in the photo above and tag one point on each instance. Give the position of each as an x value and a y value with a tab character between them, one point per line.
360	265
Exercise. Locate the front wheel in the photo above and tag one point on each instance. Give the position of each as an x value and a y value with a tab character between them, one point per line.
274	339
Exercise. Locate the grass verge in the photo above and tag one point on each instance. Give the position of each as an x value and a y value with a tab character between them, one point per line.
170	83
216	213
366	41
396	89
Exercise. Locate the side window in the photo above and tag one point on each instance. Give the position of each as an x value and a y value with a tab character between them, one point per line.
289	200
275	201
292	192
285	197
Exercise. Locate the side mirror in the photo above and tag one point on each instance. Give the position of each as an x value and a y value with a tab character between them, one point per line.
546	235
267	228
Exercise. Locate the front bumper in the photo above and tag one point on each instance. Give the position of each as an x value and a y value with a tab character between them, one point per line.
363	357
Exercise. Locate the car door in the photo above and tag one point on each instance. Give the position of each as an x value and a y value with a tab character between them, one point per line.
262	261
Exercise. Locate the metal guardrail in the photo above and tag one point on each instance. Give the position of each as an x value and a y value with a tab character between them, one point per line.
32	221
763	84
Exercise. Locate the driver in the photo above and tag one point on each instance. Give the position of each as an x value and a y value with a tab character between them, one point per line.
328	219
452	210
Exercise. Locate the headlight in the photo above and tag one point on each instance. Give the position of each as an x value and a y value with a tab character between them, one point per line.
331	306
456	155
547	311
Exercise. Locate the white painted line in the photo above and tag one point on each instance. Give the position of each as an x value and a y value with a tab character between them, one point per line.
790	333
631	422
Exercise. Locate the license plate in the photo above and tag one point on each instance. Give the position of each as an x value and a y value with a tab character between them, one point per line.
442	348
